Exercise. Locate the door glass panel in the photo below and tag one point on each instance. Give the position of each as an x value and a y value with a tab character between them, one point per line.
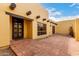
15	30
15	26
15	23
20	25
20	34
20	30
15	35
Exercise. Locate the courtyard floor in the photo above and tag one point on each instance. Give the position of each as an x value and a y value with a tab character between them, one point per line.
56	45
6	52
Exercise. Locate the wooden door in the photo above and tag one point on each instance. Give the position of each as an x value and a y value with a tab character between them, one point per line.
17	28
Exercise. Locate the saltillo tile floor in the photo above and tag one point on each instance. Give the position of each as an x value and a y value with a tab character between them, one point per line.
56	45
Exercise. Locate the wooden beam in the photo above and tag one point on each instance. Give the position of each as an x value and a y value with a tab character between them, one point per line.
18	16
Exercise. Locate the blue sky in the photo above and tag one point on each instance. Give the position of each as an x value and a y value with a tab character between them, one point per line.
62	10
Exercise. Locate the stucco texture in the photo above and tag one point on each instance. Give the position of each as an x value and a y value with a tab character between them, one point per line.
30	27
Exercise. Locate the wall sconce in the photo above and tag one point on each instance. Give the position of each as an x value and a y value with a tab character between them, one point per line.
37	17
12	6
28	13
47	20
44	19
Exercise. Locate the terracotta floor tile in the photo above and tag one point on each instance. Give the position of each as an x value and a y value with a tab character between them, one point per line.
51	46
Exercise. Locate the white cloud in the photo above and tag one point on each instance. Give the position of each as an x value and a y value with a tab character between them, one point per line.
53	12
57	13
75	4
63	18
72	4
66	18
52	18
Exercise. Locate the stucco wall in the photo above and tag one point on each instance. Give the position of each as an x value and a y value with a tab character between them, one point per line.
63	27
4	29
77	28
21	9
48	29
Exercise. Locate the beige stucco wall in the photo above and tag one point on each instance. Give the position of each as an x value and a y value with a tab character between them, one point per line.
48	29
63	27
77	28
4	29
21	9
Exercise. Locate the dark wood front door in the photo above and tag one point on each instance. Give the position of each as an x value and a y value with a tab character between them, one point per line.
53	29
17	28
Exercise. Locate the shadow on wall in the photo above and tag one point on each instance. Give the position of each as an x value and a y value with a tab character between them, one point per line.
71	33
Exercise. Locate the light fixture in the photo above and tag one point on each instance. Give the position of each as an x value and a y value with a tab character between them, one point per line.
44	19
37	16
47	20
28	13
12	6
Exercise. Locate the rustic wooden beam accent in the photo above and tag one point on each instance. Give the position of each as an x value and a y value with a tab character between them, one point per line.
18	16
54	23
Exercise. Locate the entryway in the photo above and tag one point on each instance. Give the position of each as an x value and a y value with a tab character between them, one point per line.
53	29
17	28
21	27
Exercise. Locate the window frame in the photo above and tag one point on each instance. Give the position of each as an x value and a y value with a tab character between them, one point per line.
41	30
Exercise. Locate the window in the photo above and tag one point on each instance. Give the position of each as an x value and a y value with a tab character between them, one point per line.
41	28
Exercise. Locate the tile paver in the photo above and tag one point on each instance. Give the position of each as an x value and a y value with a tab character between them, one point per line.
6	52
55	45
